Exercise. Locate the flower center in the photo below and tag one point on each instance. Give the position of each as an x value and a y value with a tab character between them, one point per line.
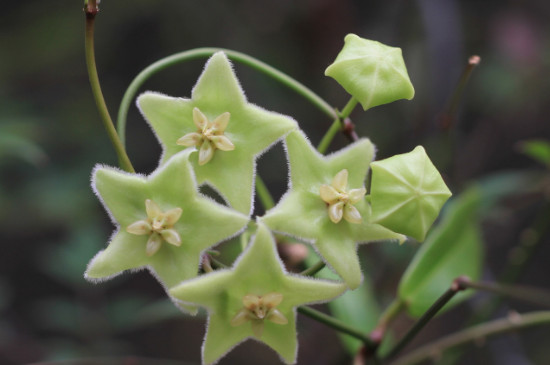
257	308
340	200
158	225
209	136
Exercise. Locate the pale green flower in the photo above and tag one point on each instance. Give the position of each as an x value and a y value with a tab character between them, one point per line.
228	131
256	298
163	224
317	199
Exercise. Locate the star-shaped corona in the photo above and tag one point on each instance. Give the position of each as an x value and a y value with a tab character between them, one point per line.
340	201
162	207
318	201
209	136
256	298
259	308
228	132
158	226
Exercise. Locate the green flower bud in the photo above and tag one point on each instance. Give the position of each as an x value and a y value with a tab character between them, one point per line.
371	72
407	193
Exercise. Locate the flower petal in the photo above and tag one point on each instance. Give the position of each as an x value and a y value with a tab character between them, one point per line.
172	216
220	123
351	214
190	139
199	119
171	236
223	143
240	318
152	208
336	211
340	181
251	301
277	317
206	152
272	300
139	227
329	194
153	244
356	194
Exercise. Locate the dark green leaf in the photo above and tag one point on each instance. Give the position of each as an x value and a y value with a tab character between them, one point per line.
536	149
453	249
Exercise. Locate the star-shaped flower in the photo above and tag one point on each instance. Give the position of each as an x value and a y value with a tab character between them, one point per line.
257	298
317	199
228	131
163	223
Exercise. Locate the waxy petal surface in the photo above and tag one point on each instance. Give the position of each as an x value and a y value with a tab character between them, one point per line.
302	213
258	272
201	223
250	129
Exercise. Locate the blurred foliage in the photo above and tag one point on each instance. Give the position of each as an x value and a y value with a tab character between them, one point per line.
51	137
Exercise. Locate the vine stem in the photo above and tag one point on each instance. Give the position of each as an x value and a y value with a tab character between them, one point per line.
526	294
391	312
252	62
455	287
336	324
340	123
312	270
91	10
263	194
447	118
503	325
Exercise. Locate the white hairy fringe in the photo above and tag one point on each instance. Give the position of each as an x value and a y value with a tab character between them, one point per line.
255	157
233	267
117	229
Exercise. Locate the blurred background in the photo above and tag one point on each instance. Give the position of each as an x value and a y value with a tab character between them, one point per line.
51	137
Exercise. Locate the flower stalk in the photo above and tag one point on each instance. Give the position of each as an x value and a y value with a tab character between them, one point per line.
337	325
91	9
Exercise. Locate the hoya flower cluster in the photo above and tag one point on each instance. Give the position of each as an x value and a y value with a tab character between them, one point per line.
165	225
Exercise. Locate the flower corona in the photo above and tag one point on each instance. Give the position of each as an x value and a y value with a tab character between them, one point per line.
209	137
259	308
158	225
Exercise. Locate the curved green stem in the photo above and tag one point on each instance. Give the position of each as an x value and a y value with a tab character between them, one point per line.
336	324
391	312
313	269
206	52
348	108
124	162
453	103
335	127
263	194
472	334
338	125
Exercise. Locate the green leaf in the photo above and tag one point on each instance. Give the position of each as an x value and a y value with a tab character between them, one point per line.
537	149
453	248
14	145
371	72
